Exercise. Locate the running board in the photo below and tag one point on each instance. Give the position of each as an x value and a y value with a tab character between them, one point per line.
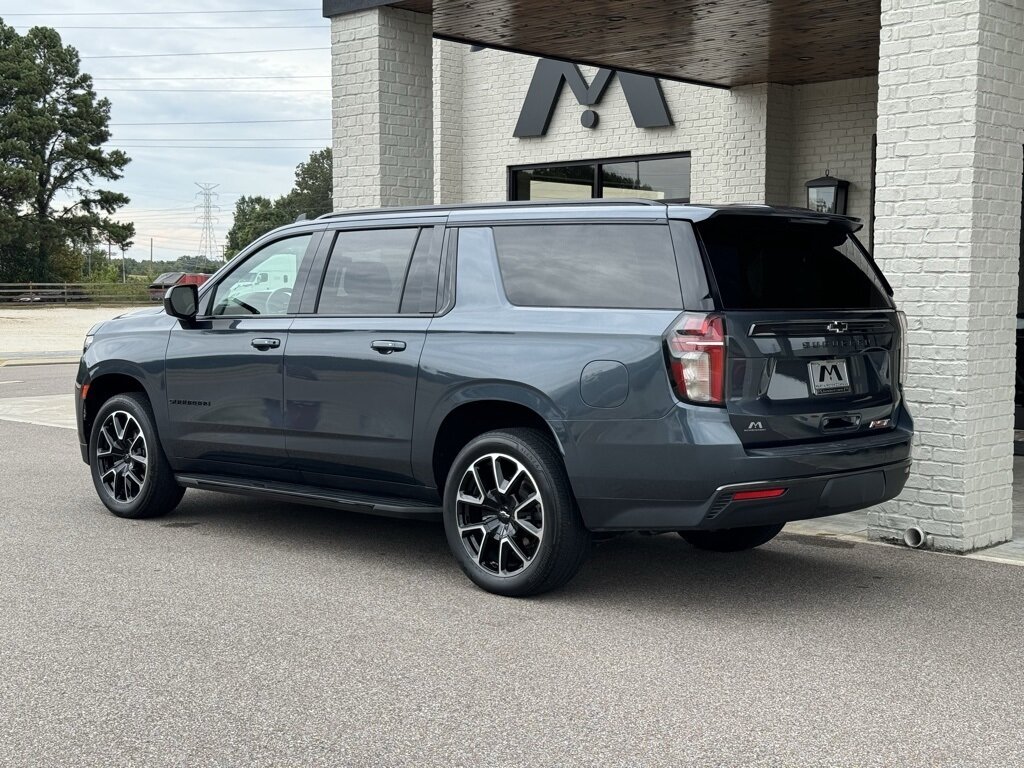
351	501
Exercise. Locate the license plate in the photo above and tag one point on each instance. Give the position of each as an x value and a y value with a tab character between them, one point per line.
828	377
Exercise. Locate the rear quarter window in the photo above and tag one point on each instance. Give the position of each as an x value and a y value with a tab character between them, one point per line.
612	266
781	264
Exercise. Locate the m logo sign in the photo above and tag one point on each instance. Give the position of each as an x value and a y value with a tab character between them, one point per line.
643	96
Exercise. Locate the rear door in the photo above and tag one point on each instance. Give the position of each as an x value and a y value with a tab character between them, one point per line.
352	361
813	339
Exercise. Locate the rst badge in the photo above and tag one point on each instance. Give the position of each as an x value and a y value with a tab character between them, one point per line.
828	377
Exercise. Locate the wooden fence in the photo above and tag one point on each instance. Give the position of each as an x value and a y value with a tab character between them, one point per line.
43	294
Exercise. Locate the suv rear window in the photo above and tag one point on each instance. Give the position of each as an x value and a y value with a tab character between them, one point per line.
613	266
781	264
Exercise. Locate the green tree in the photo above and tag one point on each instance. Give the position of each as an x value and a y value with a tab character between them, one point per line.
311	196
52	131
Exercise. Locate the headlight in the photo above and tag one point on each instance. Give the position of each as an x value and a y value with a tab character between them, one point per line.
88	343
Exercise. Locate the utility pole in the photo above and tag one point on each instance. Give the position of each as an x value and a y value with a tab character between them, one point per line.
151	252
206	208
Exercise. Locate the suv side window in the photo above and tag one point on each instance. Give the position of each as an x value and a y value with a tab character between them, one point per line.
366	272
608	266
264	284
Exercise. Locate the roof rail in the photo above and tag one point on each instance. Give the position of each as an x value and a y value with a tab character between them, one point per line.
501	204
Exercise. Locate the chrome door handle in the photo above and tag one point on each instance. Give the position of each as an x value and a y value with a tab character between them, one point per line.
386	347
265	344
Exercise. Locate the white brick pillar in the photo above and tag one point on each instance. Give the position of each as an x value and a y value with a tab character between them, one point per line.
948	206
382	113
448	87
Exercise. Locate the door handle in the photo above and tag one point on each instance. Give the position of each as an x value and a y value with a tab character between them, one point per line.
265	344
386	347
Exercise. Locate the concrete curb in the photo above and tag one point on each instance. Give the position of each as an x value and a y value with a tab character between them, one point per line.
15	362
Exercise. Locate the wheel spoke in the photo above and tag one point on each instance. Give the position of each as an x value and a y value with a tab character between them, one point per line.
525	503
501	552
484	536
503	487
519	553
530	528
135	479
467	499
479	482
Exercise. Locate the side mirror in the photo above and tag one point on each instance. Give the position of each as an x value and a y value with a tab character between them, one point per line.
182	302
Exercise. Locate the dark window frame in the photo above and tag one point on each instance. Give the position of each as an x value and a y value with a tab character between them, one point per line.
597	185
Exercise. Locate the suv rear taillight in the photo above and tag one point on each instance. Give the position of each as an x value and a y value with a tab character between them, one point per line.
904	347
696	356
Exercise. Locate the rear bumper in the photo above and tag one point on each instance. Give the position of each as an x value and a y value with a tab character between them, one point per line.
682	473
805	498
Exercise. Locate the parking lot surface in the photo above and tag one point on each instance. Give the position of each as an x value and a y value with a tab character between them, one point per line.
241	632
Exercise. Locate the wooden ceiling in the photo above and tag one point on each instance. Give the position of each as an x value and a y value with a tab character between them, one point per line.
716	42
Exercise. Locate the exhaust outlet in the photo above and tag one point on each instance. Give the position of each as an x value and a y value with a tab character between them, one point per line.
915	538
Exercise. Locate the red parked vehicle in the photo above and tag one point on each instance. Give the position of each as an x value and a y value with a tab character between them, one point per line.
159	287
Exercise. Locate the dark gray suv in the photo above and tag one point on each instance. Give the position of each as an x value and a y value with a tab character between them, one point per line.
538	375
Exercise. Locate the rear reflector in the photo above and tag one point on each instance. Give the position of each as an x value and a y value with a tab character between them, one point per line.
762	493
696	357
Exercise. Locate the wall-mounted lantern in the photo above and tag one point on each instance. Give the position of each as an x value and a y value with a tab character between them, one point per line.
827	194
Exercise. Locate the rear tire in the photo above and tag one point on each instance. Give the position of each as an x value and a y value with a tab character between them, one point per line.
732	539
129	469
510	515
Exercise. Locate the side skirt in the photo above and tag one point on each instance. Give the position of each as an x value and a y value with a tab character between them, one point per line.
349	501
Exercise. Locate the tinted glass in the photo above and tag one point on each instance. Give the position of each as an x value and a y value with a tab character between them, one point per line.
588	265
778	264
663	178
366	272
565	182
420	294
263	284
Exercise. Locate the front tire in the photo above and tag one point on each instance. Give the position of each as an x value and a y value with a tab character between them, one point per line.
510	516
129	469
732	539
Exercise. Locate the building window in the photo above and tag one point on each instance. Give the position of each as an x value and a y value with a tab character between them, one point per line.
655	177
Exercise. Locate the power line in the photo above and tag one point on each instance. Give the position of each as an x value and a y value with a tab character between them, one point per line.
221	146
164	13
212	138
325	90
203	53
197	28
247	77
236	122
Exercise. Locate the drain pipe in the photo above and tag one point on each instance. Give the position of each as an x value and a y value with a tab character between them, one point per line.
915	538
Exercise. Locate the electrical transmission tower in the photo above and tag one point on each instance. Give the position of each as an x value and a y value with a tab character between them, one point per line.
207	208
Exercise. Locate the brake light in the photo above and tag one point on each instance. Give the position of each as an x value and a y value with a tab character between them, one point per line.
904	347
696	357
763	493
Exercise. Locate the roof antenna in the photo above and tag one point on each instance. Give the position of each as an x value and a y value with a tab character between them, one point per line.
300	217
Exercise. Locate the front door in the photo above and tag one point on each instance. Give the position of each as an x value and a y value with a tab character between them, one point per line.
352	364
225	373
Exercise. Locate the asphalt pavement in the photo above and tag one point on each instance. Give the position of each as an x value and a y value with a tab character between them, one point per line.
238	632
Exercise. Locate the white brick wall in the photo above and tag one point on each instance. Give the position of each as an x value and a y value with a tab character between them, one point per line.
448	106
832	128
950	130
382	108
725	131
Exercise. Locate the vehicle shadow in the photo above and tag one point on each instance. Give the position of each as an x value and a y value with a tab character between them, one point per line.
791	574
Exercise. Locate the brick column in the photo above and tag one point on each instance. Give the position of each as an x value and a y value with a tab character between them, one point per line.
382	112
448	86
948	207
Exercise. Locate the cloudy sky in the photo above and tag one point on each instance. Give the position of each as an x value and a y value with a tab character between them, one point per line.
152	95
